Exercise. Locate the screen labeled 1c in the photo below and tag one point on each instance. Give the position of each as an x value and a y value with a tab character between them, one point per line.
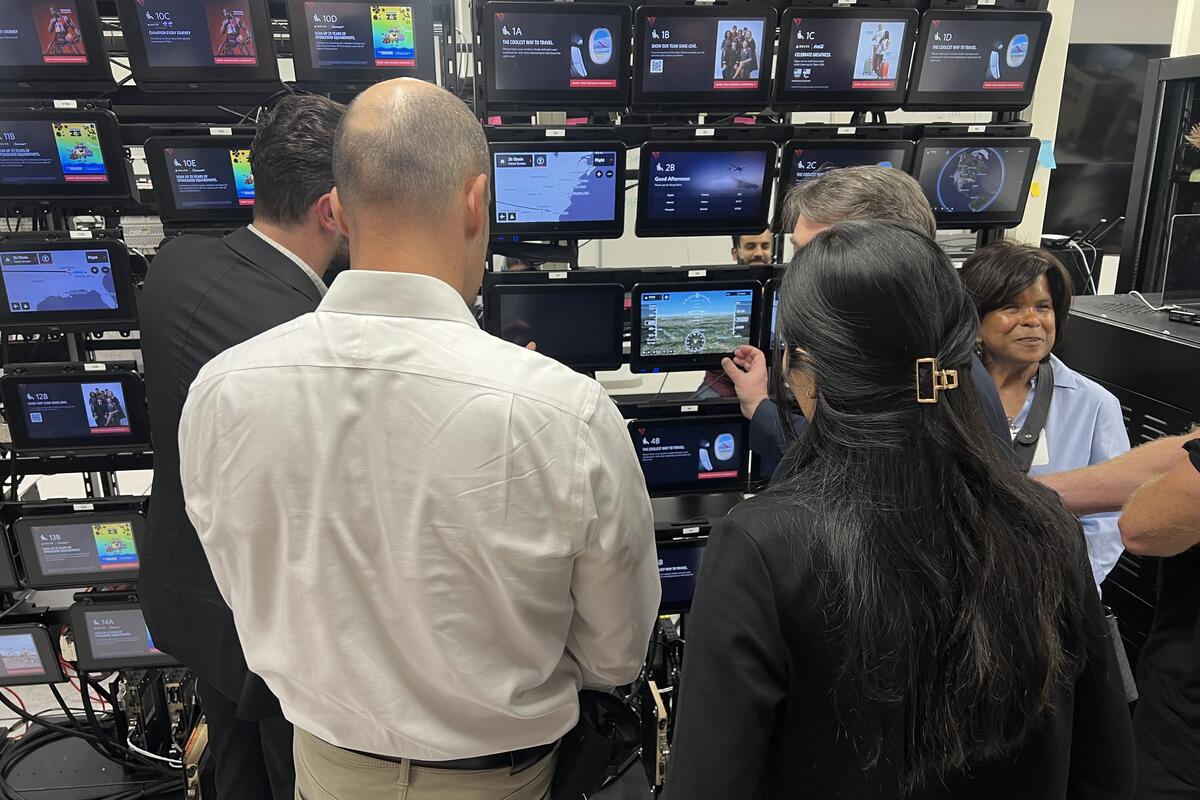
557	51
197	33
361	35
834	54
210	177
978	55
703	53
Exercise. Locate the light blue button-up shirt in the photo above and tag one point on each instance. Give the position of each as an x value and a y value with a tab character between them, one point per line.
1085	427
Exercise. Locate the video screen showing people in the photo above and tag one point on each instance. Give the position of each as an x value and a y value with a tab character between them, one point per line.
692	186
352	35
20	656
808	162
40	33
58	280
979	55
210	177
577	325
557	50
840	54
198	33
975	179
85	547
692	322
74	410
119	634
557	186
703	53
683	453
678	569
47	153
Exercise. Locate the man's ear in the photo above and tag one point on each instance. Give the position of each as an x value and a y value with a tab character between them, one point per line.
337	211
325	213
477	206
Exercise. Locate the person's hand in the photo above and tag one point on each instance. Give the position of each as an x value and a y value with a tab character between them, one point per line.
531	346
747	370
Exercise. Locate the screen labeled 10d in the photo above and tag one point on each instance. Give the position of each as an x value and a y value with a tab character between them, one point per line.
556	186
357	35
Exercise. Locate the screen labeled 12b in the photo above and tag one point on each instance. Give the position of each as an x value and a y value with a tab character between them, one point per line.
556	186
809	163
838	55
40	153
74	410
698	185
974	180
361	35
701	54
198	33
40	33
557	51
973	55
695	322
85	547
210	177
58	280
119	633
681	453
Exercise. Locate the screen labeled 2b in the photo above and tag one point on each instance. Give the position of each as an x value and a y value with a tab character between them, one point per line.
717	190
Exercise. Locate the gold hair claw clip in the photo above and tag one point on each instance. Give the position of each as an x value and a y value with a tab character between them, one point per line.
942	380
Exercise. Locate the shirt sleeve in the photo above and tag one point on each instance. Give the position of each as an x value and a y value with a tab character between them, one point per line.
199	464
1109	440
734	677
615	582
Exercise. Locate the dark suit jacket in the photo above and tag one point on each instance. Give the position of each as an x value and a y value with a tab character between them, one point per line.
202	296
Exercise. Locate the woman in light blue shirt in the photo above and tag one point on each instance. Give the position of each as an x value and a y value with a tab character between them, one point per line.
1024	296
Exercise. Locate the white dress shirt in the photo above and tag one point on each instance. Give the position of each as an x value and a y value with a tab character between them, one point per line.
430	538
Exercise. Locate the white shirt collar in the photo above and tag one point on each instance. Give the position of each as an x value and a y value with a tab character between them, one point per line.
396	294
295	259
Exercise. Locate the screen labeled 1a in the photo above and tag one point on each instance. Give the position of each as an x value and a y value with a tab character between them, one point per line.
555	186
704	53
361	35
839	54
58	280
695	321
679	453
976	179
40	33
705	185
210	177
75	410
979	55
557	51
198	33
86	547
46	153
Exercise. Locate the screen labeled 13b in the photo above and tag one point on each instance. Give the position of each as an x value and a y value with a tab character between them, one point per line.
40	33
973	55
678	453
40	153
58	280
85	547
557	51
198	33
698	185
809	163
840	54
210	177
74	410
556	186
974	180
700	54
361	35
695	322
119	633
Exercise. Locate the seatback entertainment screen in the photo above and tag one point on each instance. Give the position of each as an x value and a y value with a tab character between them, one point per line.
556	55
27	656
199	178
972	182
81	549
337	41
703	57
574	189
695	454
804	160
692	325
678	571
65	285
101	411
63	154
979	59
844	57
577	324
114	636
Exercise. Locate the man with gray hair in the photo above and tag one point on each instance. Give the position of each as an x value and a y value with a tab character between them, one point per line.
431	539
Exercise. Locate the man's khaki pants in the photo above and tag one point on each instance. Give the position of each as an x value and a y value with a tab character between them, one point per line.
325	772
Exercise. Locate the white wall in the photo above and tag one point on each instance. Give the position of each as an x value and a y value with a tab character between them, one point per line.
1123	21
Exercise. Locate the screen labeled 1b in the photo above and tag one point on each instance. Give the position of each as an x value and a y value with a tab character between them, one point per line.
58	280
977	179
40	33
43	153
197	33
361	35
831	54
696	185
979	55
557	51
693	322
680	454
552	186
210	177
69	410
703	53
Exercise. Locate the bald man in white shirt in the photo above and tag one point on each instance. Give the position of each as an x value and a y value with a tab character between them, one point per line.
431	539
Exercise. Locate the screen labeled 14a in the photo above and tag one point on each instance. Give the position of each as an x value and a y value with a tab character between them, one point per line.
40	33
695	322
700	54
74	410
557	51
58	280
198	33
210	177
974	180
973	55
697	185
119	633
40	153
361	35
85	547
556	186
841	54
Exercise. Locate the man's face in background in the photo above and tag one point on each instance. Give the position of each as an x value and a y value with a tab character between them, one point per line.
754	249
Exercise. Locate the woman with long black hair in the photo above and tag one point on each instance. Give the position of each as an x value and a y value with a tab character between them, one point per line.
902	614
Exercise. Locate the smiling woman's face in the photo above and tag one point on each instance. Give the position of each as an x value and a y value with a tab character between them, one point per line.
1022	331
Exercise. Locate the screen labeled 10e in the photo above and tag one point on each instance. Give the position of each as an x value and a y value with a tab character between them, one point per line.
210	177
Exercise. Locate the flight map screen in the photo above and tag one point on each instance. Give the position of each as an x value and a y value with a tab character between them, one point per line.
553	186
46	153
692	322
361	35
975	179
58	280
197	33
40	33
556	51
210	177
839	54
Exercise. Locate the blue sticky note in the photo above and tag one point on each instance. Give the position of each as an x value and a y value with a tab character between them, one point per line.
1046	155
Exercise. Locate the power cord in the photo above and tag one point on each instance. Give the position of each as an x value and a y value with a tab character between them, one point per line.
1086	266
1150	305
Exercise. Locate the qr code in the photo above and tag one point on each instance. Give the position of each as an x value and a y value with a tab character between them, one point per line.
35	416
656	66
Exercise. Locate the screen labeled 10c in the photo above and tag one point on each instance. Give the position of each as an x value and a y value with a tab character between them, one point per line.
197	33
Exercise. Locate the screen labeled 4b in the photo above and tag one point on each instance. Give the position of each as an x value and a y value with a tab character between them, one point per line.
683	454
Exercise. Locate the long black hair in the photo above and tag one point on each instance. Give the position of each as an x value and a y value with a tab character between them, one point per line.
951	580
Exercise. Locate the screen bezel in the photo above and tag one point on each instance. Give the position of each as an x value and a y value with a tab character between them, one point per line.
987	218
761	221
599	229
639	363
522	99
230	78
38	578
45	648
111	148
86	658
712	99
137	439
833	100
493	295
698	486
687	543
976	100
160	177
787	160
96	73
770	291
123	317
309	74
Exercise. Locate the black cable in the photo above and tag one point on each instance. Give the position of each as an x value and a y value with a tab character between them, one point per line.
101	746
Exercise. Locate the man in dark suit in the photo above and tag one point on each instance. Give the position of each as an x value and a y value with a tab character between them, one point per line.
202	296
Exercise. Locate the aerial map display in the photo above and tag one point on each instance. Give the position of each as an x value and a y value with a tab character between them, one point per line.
555	186
58	280
695	322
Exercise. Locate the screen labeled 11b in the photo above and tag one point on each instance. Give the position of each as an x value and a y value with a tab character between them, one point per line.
700	185
40	153
361	35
